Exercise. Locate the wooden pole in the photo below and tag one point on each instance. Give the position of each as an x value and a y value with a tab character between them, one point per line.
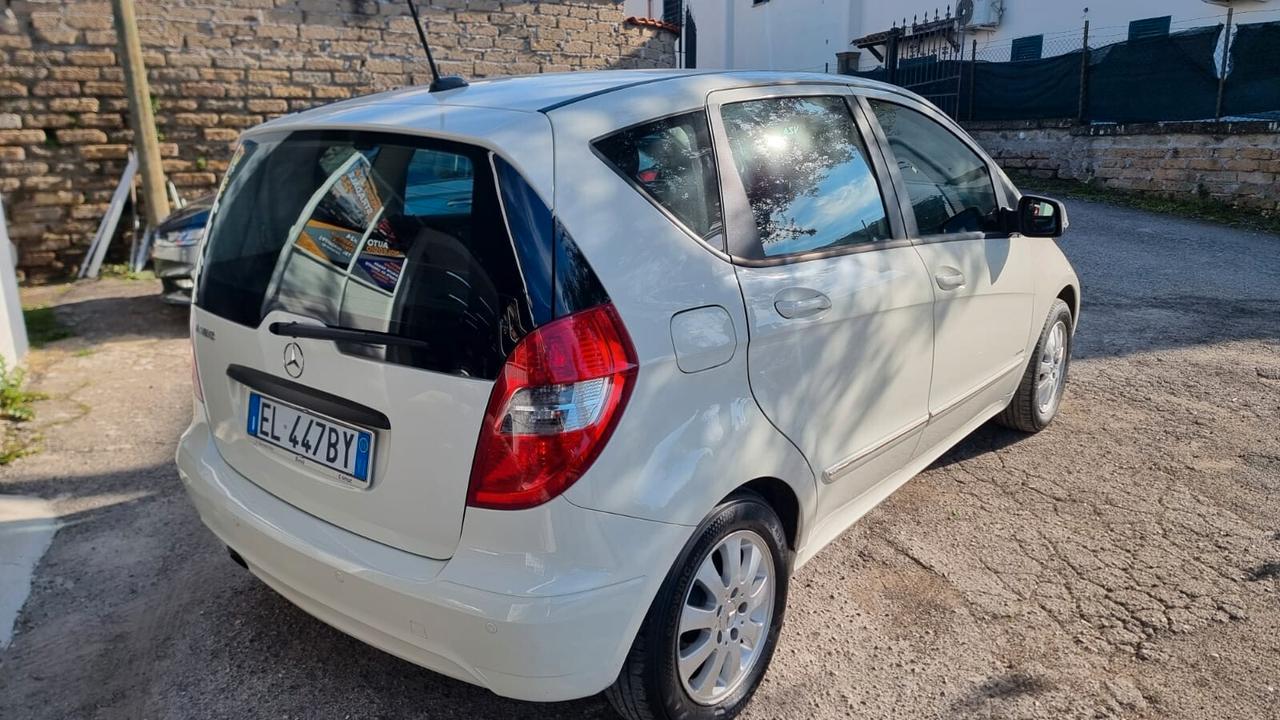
140	114
1226	64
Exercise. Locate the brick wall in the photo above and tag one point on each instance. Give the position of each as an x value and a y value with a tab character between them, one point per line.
1234	163
219	66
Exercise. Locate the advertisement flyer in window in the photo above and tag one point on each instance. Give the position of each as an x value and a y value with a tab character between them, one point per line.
381	262
329	242
353	200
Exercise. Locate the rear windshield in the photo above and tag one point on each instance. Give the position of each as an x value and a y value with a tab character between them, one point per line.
375	232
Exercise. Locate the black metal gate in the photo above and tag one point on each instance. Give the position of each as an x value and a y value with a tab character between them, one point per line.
925	56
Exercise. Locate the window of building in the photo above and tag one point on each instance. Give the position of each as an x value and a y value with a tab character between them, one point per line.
671	11
1027	48
1149	28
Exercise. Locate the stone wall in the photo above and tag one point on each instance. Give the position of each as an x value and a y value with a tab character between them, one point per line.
1234	163
219	66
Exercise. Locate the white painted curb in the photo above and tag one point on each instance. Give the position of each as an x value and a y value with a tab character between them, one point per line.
27	525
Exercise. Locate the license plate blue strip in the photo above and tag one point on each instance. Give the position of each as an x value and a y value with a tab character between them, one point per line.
255	408
362	457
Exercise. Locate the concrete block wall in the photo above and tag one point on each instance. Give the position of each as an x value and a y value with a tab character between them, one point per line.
1234	163
219	66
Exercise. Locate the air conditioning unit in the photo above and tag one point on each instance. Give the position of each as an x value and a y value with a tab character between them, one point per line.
979	14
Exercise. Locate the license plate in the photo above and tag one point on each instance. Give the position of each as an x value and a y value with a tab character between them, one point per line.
321	441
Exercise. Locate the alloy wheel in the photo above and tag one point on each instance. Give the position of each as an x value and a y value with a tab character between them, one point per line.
1051	370
726	616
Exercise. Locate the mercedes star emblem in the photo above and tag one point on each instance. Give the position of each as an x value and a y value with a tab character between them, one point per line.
293	360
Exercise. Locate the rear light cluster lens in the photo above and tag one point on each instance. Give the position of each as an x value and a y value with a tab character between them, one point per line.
556	402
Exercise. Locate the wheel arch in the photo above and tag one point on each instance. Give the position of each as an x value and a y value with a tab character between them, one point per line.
1069	296
782	498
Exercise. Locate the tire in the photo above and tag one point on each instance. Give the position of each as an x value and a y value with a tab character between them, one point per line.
1027	410
650	685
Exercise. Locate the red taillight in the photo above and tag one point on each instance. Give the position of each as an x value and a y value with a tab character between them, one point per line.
553	408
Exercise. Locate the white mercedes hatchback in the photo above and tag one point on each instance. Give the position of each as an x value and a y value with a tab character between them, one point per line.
550	383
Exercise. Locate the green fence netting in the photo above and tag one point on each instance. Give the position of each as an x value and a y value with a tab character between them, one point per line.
1253	83
1024	89
1173	77
1154	79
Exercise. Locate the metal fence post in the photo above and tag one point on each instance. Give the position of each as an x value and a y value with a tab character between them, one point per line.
1082	110
891	57
957	60
973	75
1226	64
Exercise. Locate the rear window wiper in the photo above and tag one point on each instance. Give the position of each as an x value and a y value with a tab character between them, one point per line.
343	334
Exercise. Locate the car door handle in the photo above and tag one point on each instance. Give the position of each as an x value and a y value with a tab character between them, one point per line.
949	279
795	303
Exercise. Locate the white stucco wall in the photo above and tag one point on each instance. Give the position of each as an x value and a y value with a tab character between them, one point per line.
807	34
772	35
640	8
778	34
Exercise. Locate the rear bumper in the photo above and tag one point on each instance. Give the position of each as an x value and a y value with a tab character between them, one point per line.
535	605
175	266
174	262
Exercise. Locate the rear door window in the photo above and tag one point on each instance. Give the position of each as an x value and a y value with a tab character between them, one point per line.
671	162
375	232
806	174
948	184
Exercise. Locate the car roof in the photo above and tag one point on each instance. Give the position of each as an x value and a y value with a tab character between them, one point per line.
552	91
514	115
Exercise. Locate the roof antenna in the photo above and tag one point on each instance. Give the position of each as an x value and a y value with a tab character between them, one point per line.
438	83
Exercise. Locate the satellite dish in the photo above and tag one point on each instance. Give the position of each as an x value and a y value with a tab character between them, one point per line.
964	12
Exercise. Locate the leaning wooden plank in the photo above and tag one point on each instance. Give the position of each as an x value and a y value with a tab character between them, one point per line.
144	250
107	228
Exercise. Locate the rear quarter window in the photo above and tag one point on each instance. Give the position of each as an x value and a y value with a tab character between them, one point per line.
670	161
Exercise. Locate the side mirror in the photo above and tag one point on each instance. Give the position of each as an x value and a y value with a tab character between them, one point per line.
1041	217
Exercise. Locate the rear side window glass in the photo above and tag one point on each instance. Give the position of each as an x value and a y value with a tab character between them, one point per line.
670	161
374	232
948	184
806	174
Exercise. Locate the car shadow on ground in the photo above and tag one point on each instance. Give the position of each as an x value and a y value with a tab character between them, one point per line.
990	437
110	318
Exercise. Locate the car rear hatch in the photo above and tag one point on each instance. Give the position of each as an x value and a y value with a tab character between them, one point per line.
358	296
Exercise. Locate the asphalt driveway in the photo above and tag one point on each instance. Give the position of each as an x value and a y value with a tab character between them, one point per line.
1124	563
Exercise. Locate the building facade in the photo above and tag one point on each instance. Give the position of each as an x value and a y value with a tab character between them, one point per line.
820	35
